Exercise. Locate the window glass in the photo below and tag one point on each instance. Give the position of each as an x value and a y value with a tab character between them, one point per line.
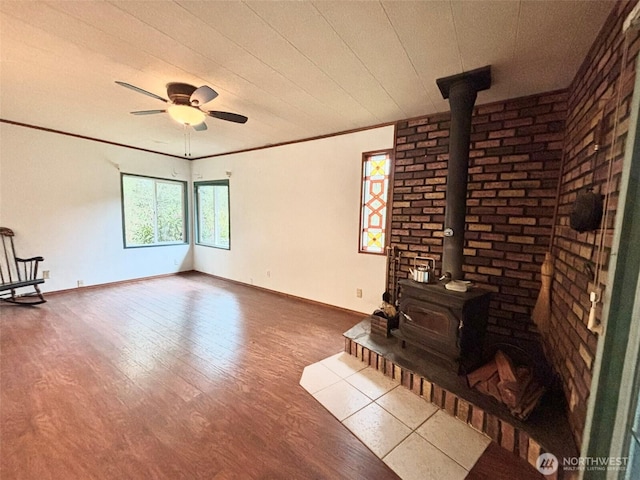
212	214
170	208
153	210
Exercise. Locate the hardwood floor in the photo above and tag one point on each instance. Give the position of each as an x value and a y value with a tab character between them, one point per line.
496	463
181	377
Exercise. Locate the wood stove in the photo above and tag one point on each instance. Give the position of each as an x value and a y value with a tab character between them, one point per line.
449	326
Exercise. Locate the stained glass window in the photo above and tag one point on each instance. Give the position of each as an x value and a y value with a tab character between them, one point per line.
376	168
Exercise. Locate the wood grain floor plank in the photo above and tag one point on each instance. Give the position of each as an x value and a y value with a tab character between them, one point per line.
498	464
179	377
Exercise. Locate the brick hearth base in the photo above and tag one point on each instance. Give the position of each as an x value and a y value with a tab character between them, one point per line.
546	430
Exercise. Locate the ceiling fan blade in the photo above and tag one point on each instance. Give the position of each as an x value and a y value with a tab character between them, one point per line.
147	112
140	90
202	95
229	117
200	127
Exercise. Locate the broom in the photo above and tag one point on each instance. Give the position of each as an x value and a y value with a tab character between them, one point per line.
542	310
541	314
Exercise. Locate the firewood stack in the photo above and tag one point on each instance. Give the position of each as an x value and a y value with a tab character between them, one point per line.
513	386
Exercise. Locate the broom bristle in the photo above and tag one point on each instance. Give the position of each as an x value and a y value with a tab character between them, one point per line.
542	311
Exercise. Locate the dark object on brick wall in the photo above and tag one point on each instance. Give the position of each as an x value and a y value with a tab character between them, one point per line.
586	213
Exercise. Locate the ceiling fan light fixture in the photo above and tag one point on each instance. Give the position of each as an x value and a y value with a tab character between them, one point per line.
186	115
185	103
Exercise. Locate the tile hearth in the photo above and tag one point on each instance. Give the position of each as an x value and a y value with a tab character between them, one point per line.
415	438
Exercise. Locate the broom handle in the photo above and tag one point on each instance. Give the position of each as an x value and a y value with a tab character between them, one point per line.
556	207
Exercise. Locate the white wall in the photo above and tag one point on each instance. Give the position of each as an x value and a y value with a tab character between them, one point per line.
61	196
295	214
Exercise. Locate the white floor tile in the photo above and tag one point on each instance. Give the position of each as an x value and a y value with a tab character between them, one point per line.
343	364
316	377
342	399
408	407
377	429
417	459
456	439
371	382
416	439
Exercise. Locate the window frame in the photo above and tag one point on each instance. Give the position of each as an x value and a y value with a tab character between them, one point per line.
196	210
365	157
185	211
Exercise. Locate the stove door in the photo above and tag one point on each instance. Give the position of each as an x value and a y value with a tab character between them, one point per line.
434	328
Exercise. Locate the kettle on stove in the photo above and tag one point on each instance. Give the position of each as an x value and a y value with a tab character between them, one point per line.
423	269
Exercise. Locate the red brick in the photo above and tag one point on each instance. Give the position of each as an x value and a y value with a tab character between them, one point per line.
507	436
523	445
416	384
477	418
427	390
490	108
437	396
502	133
464	408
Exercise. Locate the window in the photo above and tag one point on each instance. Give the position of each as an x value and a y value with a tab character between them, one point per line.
376	168
154	211
212	213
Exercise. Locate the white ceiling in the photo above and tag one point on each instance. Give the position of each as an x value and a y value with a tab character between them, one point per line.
296	69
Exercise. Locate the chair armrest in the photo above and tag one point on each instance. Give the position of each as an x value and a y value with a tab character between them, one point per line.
32	259
28	269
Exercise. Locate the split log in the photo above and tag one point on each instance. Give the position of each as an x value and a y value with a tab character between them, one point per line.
509	392
482	374
492	386
505	367
530	401
513	386
524	386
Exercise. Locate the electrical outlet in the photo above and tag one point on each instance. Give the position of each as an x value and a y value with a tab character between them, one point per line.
359	292
45	274
80	283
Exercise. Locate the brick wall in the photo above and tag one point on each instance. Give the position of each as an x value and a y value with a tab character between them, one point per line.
515	156
520	150
594	95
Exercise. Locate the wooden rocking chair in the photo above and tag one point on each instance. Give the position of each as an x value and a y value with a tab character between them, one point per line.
18	272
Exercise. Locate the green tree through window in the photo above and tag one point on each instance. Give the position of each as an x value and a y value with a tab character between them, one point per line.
212	213
153	211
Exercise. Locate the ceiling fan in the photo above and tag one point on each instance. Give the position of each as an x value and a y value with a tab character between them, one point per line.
186	104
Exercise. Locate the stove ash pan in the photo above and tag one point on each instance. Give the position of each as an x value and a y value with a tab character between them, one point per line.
449	326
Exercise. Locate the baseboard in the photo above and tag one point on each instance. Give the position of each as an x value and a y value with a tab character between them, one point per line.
282	294
118	282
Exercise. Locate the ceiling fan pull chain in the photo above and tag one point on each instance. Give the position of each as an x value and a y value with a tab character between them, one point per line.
184	132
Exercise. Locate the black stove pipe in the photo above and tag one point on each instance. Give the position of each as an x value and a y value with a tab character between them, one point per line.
461	90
